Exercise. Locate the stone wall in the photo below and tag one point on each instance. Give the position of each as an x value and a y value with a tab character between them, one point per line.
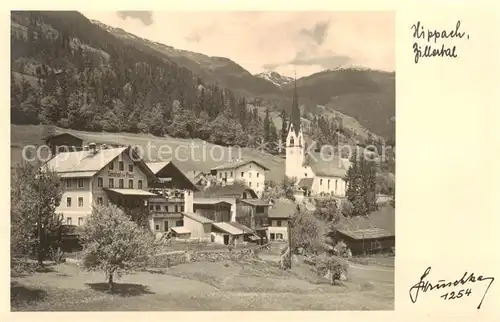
181	257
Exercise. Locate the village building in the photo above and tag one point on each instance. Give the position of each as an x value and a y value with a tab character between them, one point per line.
99	176
174	196
199	227
279	216
249	172
64	142
316	173
232	233
213	209
374	233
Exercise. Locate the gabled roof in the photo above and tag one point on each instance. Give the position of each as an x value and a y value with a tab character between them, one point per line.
197	217
323	164
383	218
53	136
368	233
232	228
168	167
237	164
157	166
234	190
87	164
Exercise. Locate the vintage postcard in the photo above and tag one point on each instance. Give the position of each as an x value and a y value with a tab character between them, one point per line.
234	158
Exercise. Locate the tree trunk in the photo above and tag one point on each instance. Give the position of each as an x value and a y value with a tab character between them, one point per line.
41	243
110	282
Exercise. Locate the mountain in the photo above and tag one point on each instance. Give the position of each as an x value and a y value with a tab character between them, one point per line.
366	95
81	74
218	70
275	78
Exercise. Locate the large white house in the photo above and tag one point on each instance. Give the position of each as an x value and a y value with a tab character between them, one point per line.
317	172
98	176
249	172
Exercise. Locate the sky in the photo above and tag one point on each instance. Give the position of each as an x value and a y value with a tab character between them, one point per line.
286	42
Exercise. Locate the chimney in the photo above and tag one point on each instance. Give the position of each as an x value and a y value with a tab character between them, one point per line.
92	148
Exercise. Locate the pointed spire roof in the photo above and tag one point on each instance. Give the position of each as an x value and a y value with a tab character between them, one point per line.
295	113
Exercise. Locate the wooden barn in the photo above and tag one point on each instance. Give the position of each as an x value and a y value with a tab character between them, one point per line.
66	141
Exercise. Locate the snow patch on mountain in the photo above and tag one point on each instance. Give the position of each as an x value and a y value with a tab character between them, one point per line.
275	78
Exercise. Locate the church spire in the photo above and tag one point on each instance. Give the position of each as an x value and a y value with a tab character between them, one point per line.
295	115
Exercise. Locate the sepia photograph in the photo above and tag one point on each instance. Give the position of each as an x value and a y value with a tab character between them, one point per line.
202	161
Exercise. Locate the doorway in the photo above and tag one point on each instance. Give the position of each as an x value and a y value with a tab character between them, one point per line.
226	239
165	225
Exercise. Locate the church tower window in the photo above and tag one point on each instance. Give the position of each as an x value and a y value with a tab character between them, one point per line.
291	141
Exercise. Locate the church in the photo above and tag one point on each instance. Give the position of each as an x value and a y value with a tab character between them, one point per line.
316	173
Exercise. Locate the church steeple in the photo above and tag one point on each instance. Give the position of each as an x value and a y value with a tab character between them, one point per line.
295	114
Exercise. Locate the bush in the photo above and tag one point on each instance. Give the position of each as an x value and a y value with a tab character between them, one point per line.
332	265
346	208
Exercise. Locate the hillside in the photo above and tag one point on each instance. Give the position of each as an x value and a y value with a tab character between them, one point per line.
365	95
99	78
22	135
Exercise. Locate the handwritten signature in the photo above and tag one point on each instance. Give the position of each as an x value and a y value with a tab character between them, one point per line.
426	286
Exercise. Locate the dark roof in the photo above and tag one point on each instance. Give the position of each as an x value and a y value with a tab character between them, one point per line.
53	136
209	201
242	227
197	218
237	164
256	202
323	164
168	167
306	183
234	190
368	233
282	209
384	219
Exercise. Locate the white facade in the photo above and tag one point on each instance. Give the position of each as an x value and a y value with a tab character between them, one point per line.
79	194
295	168
294	154
278	229
251	174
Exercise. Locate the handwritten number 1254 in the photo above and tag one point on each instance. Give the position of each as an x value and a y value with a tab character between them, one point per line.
457	295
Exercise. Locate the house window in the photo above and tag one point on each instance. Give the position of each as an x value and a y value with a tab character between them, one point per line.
249	174
99	181
158	208
99	201
80	183
335	185
231	174
220	175
176	209
166	208
258	174
139	184
225	174
80	221
244	195
120	183
242	174
111	183
120	166
182	208
328	184
279	236
278	223
157	227
130	168
179	223
68	221
68	202
272	236
151	207
250	184
320	182
189	192
291	141
131	184
112	166
80	201
68	183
